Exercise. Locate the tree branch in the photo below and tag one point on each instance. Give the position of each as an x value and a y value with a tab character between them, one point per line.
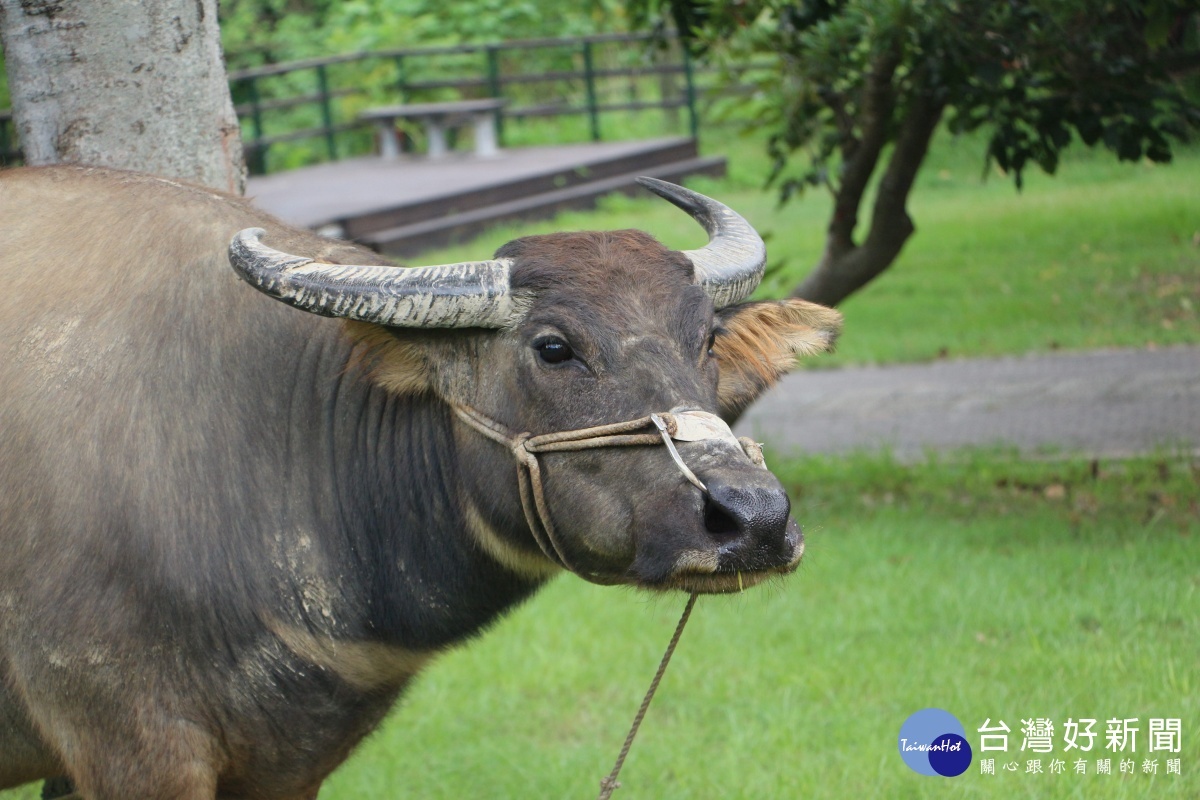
840	274
861	155
890	223
843	120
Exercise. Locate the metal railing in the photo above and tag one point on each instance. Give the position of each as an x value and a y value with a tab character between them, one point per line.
595	78
302	112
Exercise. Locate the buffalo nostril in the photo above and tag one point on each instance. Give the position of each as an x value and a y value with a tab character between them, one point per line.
718	521
756	511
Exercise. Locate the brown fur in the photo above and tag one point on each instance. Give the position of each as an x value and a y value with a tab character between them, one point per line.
397	365
760	342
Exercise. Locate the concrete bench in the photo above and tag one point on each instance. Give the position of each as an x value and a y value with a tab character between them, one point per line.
436	118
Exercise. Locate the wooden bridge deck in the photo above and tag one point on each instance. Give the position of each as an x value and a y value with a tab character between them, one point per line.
403	205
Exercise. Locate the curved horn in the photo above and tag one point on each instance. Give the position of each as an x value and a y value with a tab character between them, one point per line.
474	294
730	266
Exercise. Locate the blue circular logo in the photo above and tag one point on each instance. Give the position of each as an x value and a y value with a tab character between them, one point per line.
933	742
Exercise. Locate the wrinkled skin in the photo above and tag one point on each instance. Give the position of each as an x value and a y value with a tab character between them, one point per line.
231	532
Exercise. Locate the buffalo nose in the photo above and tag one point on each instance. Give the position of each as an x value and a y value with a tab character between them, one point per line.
756	512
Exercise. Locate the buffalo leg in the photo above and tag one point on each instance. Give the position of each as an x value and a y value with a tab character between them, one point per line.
59	788
163	763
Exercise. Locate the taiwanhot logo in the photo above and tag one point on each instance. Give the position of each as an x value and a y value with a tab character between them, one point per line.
934	742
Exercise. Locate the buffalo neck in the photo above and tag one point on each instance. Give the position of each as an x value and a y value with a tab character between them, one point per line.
397	480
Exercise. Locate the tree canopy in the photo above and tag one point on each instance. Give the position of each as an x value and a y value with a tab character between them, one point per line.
857	88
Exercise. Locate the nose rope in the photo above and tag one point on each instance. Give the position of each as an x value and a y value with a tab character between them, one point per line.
681	425
661	424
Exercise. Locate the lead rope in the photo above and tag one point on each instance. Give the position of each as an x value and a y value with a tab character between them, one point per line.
525	448
610	784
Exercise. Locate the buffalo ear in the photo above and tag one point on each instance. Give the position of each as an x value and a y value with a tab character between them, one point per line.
398	364
757	343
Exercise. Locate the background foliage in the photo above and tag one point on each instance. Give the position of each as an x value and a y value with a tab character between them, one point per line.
1035	75
258	32
860	87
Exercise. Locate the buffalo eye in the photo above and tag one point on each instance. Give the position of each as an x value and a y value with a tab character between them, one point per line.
712	341
553	350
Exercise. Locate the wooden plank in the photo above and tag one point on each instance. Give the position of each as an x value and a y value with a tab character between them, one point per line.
364	194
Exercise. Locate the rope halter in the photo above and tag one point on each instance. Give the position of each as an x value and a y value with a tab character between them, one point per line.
655	429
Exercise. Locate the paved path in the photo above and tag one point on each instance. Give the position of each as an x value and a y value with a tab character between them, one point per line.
1103	403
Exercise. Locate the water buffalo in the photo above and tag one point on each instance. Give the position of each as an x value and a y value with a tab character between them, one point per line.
231	533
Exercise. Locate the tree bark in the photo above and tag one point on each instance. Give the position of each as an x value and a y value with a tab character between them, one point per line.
845	267
134	85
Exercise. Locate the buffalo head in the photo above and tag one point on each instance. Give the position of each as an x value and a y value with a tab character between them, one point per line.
575	330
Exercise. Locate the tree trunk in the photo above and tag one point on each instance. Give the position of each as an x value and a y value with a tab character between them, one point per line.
846	267
135	85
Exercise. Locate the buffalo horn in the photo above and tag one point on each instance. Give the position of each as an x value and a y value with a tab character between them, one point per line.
474	294
730	266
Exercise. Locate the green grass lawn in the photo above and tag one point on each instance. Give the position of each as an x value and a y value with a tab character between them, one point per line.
1101	255
988	587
